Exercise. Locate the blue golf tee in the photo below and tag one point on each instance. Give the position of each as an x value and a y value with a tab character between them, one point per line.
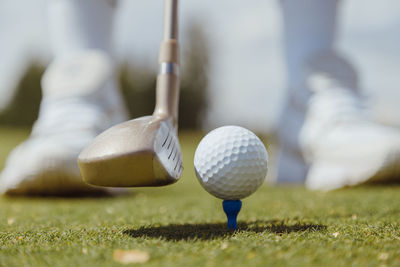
231	209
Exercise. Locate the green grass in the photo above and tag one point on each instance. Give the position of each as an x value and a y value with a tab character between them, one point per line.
181	225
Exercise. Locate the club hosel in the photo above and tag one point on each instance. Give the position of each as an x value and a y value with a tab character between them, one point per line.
167	95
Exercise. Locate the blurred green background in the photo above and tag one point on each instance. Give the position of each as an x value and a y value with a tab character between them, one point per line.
137	82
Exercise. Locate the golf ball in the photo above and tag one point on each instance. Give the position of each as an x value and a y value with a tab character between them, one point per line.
231	162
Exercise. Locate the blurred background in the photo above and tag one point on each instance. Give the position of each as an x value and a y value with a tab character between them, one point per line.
232	62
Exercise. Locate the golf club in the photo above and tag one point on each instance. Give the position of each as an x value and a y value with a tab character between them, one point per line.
144	151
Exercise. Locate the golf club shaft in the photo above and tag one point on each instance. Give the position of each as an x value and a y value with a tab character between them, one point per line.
167	91
171	20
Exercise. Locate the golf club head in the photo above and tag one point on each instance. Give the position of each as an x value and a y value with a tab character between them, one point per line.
143	151
140	152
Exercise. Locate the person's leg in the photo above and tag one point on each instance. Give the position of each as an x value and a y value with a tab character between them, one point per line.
325	134
309	27
76	25
80	100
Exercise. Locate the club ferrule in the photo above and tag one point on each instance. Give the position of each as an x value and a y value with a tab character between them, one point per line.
168	68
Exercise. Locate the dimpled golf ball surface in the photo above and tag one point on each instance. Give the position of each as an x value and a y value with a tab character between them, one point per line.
231	162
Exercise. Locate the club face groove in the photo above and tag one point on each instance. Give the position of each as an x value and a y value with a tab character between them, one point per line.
176	165
165	140
170	153
169	143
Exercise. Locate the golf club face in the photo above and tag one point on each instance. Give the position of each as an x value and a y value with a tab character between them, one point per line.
139	152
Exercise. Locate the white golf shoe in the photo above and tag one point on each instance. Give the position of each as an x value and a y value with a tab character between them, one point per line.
80	100
327	139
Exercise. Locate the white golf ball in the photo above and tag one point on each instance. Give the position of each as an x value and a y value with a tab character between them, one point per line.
231	162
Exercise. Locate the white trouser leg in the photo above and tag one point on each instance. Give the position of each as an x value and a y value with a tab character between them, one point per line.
309	29
79	25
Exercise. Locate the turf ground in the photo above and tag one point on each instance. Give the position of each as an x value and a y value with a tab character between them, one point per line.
181	225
